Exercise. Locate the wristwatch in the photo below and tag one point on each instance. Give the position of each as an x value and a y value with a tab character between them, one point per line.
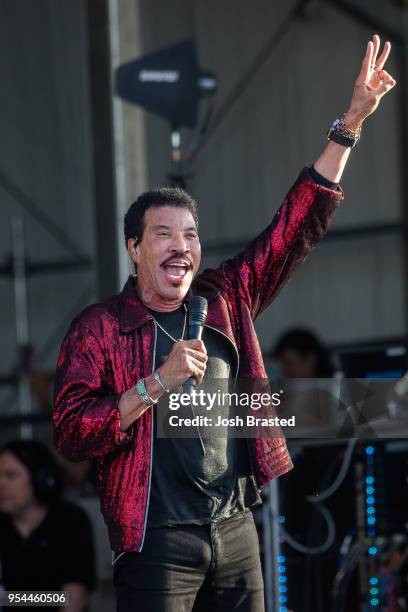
341	134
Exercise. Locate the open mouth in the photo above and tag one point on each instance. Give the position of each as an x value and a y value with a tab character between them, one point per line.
176	271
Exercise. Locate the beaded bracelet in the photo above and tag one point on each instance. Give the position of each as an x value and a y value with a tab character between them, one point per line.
141	389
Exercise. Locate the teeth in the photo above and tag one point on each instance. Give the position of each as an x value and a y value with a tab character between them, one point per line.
177	263
171	270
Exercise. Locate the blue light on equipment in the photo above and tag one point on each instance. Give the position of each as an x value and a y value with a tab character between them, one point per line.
282	578
281	569
283	609
370	499
281	518
283	599
281	558
282	588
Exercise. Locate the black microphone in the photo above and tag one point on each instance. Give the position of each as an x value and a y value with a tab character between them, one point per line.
197	314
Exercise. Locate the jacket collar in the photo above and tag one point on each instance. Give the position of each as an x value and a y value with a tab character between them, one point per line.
133	312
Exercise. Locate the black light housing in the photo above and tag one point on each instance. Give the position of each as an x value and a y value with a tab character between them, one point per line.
167	82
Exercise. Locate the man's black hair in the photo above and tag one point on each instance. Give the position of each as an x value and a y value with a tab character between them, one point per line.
162	196
305	342
45	473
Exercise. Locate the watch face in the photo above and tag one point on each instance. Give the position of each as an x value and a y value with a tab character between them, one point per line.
333	126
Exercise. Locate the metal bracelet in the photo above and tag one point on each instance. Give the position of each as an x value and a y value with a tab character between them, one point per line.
156	377
346	131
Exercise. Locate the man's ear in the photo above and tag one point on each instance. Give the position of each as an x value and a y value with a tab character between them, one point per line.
132	246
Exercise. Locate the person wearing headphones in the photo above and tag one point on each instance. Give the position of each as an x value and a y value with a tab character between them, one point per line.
46	544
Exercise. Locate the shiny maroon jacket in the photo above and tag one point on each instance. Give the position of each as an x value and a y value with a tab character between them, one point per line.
110	345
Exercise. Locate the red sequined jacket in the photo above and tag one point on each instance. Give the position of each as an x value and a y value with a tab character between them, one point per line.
110	345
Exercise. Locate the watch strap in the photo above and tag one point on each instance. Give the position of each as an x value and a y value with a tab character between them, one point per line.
343	135
341	140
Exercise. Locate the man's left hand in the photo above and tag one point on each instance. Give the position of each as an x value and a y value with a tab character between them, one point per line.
371	85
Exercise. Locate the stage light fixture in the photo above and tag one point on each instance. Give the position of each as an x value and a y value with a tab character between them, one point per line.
167	82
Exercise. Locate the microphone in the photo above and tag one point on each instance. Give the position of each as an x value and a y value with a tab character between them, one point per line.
197	314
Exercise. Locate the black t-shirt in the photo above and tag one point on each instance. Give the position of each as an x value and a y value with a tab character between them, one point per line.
188	486
58	551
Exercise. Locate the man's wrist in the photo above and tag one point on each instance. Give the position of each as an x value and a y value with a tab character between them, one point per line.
131	405
153	388
353	120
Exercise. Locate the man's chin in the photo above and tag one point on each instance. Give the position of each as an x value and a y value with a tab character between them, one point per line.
176	289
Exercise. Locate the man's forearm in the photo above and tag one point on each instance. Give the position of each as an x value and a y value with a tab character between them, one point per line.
334	158
332	161
372	83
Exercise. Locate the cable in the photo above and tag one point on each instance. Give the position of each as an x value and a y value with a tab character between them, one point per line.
331	527
315	550
315	499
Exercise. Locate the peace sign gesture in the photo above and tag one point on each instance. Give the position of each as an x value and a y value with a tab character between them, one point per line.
371	84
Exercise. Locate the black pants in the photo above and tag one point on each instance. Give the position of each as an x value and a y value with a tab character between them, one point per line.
193	568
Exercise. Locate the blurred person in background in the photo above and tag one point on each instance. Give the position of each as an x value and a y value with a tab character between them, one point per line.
301	354
179	513
46	543
78	477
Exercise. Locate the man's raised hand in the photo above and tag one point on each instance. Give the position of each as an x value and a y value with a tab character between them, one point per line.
371	85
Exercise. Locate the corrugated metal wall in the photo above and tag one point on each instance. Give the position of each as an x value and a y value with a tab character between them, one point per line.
47	157
350	290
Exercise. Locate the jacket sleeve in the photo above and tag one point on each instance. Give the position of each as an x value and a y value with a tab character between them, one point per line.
86	417
257	274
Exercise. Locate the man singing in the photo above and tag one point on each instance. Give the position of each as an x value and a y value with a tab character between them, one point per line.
178	512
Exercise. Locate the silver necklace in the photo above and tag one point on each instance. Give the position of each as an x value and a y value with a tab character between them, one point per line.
178	340
167	333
